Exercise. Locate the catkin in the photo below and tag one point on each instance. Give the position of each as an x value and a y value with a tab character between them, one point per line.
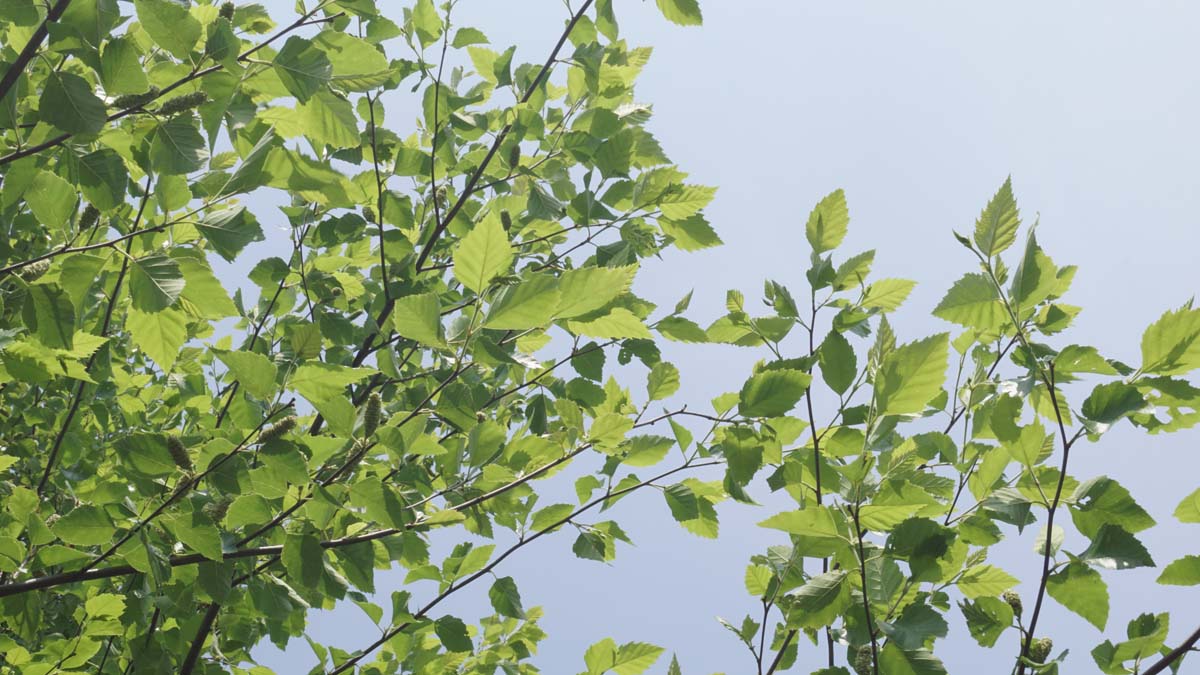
34	270
864	661
90	215
278	429
1039	649
1013	601
514	155
181	103
371	414
179	453
135	100
368	214
226	11
506	220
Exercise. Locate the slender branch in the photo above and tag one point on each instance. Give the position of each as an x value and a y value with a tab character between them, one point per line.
1175	654
206	624
469	188
787	641
30	50
52	458
1053	508
862	569
607	496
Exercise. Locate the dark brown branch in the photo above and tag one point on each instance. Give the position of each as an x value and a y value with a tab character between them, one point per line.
787	640
1175	654
30	50
469	188
862	570
1047	551
206	624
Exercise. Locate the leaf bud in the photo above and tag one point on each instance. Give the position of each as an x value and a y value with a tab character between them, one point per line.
89	217
1039	649
34	270
371	414
179	453
278	429
1013	601
864	661
226	11
181	103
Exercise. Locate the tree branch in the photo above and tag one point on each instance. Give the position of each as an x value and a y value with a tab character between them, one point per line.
30	50
1175	654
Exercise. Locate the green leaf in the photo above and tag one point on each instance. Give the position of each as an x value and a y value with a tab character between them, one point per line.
121	68
888	294
103	178
427	22
818	531
203	294
67	102
663	381
1171	345
419	317
600	657
155	283
178	147
828	222
895	661
839	365
911	375
380	502
1031	440
1104	501
820	601
1112	401
84	526
453	634
1080	589
987	618
984	580
255	372
55	315
686	201
773	392
505	598
228	231
1188	510
320	381
482	254
51	199
1115	549
587	289
529	304
170	24
329	119
633	658
159	334
303	69
197	532
682	12
997	226
147	453
679	329
304	559
1182	572
973	302
618	323
690	234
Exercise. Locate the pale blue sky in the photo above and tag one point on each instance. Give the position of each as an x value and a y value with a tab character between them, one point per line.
919	110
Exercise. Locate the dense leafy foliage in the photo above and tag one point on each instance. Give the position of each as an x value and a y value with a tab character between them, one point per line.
186	474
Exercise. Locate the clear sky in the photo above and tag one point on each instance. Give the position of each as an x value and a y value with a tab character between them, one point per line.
919	110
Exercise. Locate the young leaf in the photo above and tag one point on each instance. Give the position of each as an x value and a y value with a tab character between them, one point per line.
997	226
1080	589
828	222
911	375
482	254
773	392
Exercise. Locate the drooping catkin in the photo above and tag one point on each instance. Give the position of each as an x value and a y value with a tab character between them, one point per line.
278	429
179	453
372	413
179	104
864	661
514	155
226	11
368	214
34	270
135	100
89	217
506	220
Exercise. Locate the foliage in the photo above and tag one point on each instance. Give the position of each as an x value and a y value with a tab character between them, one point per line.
186	474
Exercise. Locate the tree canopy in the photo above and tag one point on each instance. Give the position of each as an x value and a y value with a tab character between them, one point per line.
433	330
